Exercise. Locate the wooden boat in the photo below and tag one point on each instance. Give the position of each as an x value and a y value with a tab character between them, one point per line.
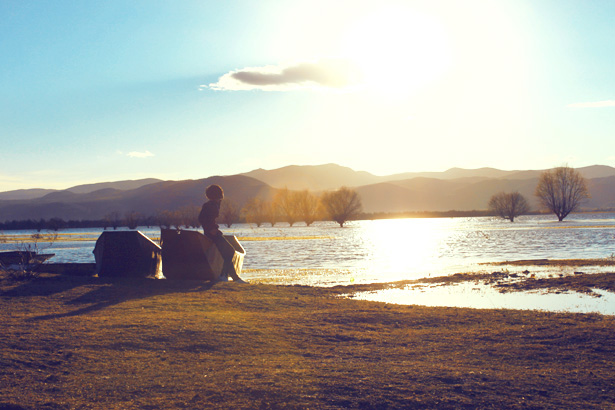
127	254
188	254
16	259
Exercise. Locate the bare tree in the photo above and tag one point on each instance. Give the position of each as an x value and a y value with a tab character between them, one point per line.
342	205
272	213
56	223
308	206
286	202
188	216
561	191
508	205
255	211
113	219
131	219
229	213
167	219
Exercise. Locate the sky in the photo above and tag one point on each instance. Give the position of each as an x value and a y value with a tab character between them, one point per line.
97	91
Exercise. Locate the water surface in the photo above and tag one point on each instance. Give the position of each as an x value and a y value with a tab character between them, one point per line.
324	254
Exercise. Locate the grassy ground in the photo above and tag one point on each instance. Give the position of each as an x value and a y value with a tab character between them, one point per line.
88	343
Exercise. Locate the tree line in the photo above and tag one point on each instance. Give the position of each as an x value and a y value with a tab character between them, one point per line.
560	190
287	206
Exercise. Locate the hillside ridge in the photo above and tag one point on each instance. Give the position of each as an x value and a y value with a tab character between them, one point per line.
454	189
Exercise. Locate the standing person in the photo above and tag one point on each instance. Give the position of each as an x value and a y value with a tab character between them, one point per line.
207	219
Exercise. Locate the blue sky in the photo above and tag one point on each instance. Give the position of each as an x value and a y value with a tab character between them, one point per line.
104	91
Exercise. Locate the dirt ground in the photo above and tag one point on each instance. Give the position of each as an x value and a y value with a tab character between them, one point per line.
70	342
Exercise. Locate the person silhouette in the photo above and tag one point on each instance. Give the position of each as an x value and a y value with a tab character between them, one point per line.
207	218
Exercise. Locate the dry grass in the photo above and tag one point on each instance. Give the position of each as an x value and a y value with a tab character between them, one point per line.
87	343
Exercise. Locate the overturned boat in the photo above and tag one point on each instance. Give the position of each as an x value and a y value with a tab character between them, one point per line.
128	254
189	254
13	260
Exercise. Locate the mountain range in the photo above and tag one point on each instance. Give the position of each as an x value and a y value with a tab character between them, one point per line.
455	189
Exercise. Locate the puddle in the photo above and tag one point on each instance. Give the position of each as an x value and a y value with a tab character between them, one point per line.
471	295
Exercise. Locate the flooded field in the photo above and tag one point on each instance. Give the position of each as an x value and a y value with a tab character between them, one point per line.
386	250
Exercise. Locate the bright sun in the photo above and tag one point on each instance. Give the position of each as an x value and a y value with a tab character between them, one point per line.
397	50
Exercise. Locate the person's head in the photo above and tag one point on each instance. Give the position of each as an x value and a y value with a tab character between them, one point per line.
214	193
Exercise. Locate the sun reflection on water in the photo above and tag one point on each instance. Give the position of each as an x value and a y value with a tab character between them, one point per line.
402	245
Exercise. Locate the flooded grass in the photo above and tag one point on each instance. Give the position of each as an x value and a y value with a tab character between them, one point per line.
74	342
281	238
559	262
574	289
49	237
93	236
516	281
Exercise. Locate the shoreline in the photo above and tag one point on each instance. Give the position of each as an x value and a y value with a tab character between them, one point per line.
521	277
539	285
525	280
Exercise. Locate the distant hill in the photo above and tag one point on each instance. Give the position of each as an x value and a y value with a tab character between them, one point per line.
603	193
147	199
20	194
466	194
455	173
122	185
313	177
332	176
594	171
454	189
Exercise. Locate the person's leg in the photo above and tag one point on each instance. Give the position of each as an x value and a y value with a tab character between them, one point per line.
227	251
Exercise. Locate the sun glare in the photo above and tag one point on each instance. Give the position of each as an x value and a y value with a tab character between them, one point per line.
404	245
397	49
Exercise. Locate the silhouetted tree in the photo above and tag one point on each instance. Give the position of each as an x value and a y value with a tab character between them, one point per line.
131	219
342	205
55	224
561	191
308	206
230	213
150	221
255	211
113	219
286	202
188	216
167	219
273	213
41	224
508	205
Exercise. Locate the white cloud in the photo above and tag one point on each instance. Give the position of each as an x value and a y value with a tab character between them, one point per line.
322	74
596	104
135	154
